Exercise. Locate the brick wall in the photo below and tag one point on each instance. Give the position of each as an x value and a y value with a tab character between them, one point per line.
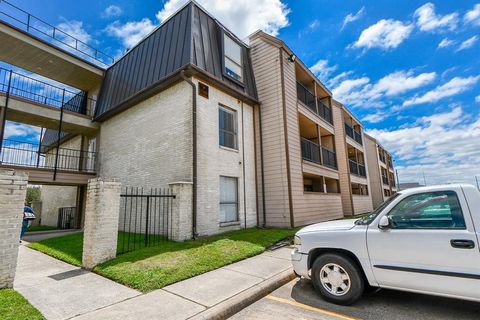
53	198
13	189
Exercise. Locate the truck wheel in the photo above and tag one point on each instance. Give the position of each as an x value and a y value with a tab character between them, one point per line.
337	279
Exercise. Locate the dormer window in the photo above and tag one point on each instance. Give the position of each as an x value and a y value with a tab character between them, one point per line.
233	58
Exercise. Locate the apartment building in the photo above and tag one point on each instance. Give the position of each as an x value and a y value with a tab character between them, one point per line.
381	172
258	137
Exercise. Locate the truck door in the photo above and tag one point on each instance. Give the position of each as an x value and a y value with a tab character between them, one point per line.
430	246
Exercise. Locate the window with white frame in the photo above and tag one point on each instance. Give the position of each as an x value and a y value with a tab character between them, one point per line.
233	58
227	127
228	199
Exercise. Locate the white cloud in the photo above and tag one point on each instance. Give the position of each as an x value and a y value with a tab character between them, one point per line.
131	32
444	146
428	20
112	11
446	43
473	16
477	98
314	24
322	70
242	17
361	92
453	87
353	17
470	42
20	130
335	81
375	117
74	29
385	34
347	87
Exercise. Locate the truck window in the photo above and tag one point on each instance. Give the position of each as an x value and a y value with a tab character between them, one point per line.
429	210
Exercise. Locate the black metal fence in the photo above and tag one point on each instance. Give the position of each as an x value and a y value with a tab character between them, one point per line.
67	218
19	18
41	92
354	134
357	168
25	154
145	218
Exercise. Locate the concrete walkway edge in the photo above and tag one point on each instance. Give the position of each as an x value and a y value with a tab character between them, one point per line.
242	300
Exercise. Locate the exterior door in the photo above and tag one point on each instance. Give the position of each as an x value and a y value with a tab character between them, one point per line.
430	246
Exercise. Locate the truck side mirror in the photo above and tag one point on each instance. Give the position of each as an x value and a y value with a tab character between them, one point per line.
384	223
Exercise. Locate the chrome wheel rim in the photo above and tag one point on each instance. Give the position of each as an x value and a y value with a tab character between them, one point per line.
335	279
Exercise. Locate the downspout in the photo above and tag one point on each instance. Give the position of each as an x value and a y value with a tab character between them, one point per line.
194	152
264	222
244	178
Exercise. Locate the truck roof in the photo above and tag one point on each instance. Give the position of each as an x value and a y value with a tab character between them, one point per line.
438	187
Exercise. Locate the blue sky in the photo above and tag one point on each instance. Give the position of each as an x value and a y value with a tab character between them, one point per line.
409	70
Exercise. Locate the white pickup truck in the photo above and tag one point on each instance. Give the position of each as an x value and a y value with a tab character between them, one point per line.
423	240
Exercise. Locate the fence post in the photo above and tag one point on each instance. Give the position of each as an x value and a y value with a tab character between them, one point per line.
181	214
58	136
13	189
101	221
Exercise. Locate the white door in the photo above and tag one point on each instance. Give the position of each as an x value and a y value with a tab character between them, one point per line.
430	246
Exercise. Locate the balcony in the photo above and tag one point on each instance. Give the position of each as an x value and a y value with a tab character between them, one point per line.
385	180
34	155
311	152
314	104
17	85
354	134
357	168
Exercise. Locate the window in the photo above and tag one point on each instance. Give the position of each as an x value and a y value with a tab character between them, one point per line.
228	199
233	58
227	120
431	210
312	184
360	189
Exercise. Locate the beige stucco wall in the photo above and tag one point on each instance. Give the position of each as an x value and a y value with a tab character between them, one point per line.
362	204
376	185
53	198
150	145
281	144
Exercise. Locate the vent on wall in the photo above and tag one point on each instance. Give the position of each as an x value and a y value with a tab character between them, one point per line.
203	90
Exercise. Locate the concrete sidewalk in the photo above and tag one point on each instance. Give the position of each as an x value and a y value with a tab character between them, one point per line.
62	291
212	295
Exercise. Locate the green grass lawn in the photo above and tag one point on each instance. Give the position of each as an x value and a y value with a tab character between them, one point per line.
154	267
13	306
41	228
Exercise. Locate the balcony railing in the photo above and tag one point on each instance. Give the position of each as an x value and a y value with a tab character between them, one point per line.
23	20
352	133
329	158
308	99
385	180
311	152
25	154
31	89
357	168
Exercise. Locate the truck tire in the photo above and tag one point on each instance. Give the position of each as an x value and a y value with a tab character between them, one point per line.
337	279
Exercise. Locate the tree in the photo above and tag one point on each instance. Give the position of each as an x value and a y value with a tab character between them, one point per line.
33	194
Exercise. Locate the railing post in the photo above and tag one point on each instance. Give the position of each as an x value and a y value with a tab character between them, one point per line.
4	113
39	147
58	137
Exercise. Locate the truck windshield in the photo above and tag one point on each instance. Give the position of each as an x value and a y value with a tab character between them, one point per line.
371	216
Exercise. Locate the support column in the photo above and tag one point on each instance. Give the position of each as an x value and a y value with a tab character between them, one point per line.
13	190
101	221
181	211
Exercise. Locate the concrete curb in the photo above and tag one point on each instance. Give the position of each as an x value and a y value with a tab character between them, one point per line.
242	300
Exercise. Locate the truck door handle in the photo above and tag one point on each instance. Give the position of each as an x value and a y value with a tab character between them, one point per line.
462	244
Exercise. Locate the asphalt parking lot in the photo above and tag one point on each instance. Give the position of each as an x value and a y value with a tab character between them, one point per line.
298	300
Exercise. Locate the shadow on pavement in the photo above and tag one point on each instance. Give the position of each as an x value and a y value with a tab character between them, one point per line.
392	305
